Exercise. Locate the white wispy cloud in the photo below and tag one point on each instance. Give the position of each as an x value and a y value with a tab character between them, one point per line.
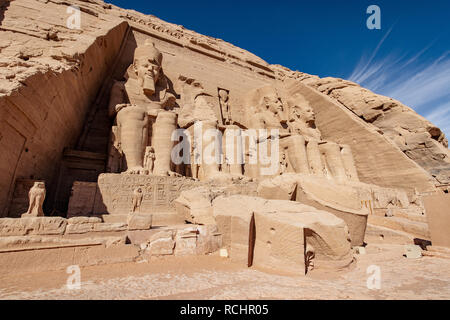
440	116
421	85
361	70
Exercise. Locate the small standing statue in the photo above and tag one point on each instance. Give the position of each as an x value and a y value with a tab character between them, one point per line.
149	159
227	163
36	196
195	159
225	107
283	163
137	200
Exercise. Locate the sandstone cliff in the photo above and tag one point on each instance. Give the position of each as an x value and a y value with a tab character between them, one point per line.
417	137
54	82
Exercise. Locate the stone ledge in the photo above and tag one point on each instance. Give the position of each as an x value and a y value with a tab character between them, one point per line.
32	226
18	243
139	221
59	226
59	258
414	228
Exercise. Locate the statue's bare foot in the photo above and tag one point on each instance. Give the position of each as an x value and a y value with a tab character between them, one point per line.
135	170
173	174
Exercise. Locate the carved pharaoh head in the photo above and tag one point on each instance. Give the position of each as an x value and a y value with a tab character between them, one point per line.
267	99
148	66
39	185
223	94
301	110
149	150
309	115
273	104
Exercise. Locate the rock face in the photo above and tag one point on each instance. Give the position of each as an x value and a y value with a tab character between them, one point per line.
417	137
342	199
149	124
438	219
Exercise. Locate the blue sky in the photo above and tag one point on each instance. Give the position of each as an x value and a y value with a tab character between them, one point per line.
408	59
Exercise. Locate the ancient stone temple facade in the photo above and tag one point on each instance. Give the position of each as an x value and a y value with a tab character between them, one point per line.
131	123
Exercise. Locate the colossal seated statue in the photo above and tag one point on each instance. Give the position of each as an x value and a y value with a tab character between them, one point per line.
302	118
197	116
142	107
196	103
132	125
299	139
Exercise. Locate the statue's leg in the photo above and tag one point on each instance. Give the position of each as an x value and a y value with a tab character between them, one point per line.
332	152
30	207
314	159
349	163
296	151
163	128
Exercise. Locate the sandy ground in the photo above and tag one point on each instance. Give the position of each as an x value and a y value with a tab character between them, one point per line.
212	277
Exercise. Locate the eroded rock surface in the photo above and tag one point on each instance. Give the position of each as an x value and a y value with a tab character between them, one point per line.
106	114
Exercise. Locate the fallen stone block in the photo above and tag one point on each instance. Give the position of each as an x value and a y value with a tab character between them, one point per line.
109	227
323	237
234	215
185	244
223	253
84	220
79	228
162	235
360	250
195	206
209	239
279	242
162	246
437	210
139	222
413	252
343	199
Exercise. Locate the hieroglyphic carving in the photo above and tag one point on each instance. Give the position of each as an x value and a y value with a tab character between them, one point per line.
158	192
137	200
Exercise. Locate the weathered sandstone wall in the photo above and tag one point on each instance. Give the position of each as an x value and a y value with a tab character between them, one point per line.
49	77
415	136
53	78
377	158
